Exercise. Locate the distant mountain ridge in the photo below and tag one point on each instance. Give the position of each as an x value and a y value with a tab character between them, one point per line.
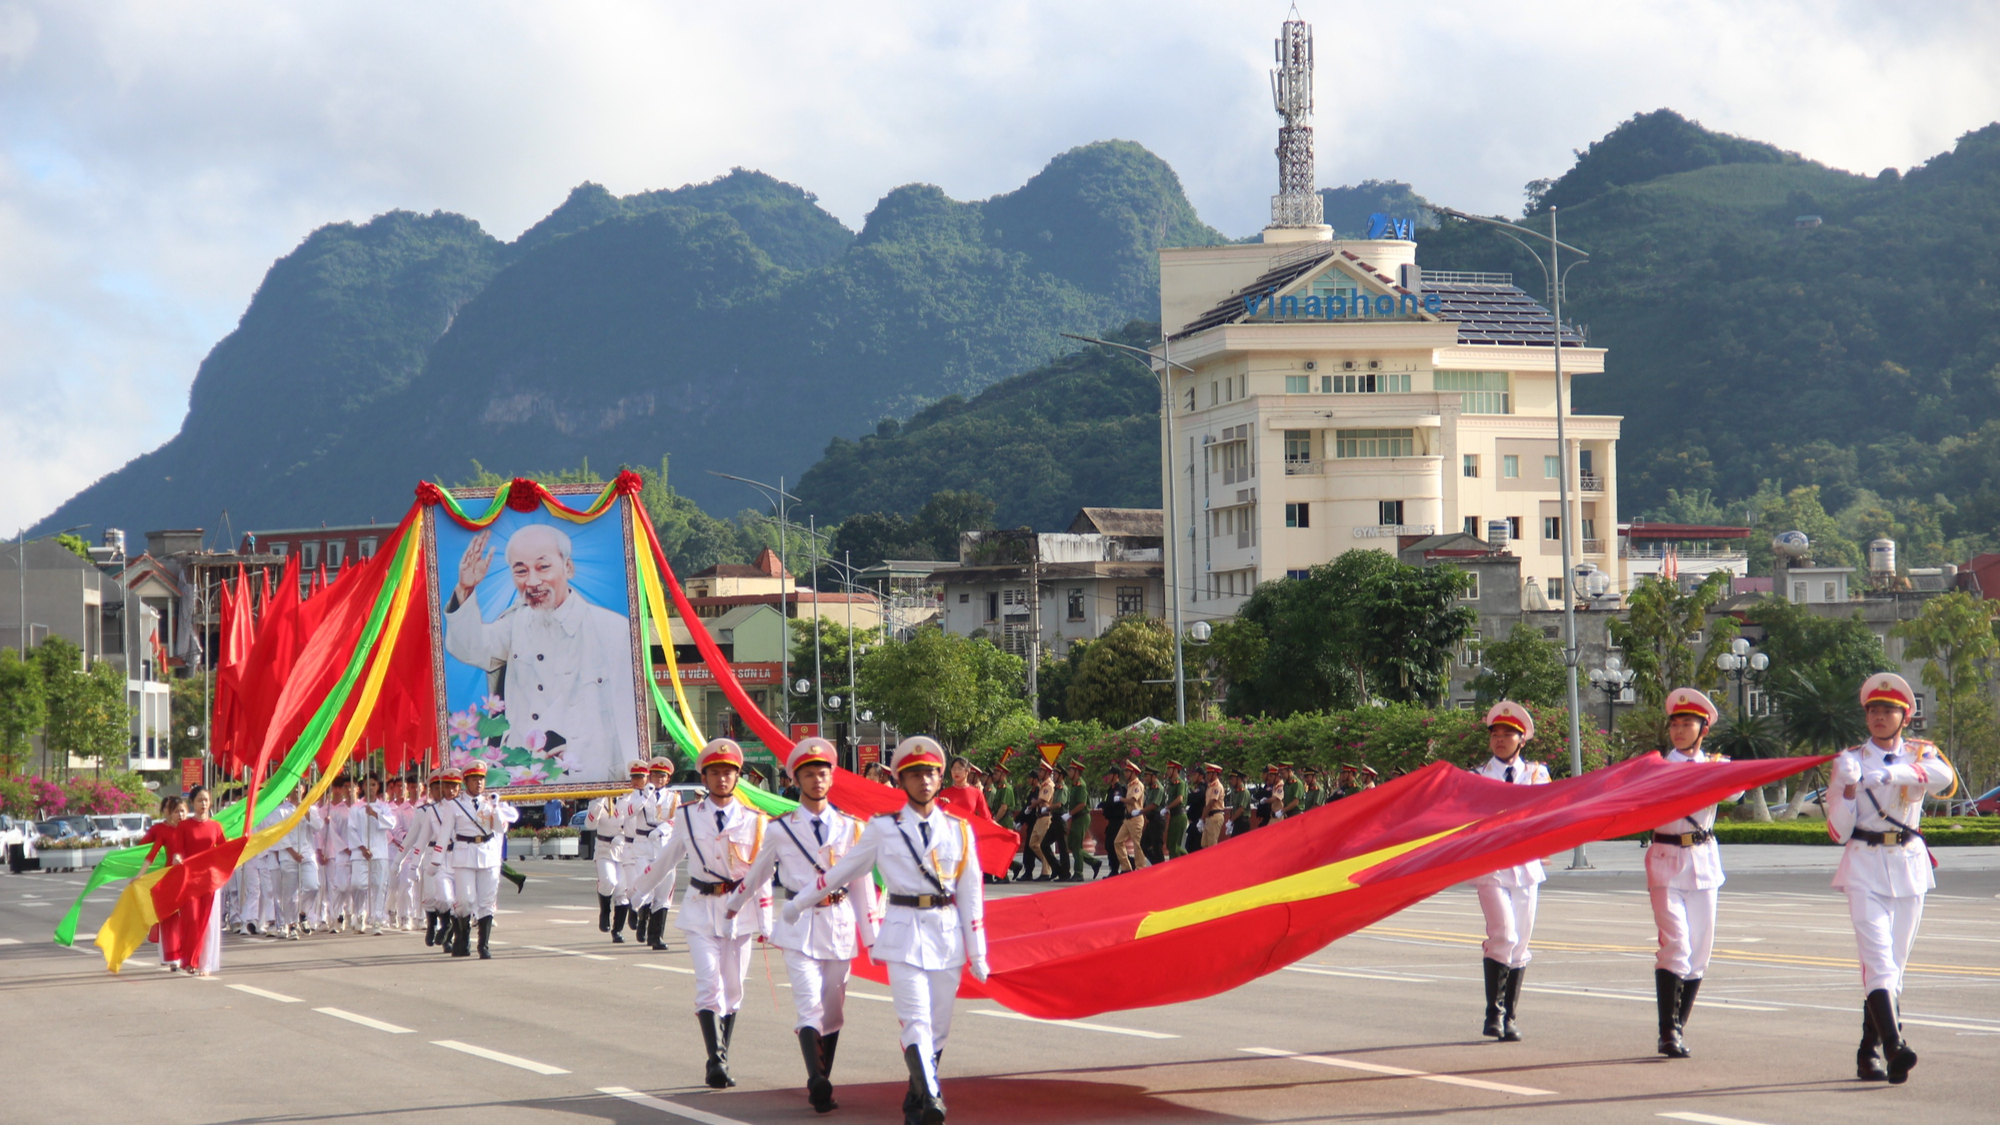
733	324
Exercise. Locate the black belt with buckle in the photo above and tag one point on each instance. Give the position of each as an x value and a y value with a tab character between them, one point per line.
832	897
711	889
1684	839
474	839
1886	839
923	902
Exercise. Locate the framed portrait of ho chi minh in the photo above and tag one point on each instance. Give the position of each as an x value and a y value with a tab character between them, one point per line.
535	648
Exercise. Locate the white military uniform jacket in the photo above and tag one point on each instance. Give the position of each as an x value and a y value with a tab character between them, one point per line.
427	834
475	828
1696	867
935	938
828	931
372	832
569	670
305	838
1916	769
1524	772
606	817
721	853
337	833
649	814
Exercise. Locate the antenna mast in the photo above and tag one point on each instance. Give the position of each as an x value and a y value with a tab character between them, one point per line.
1297	203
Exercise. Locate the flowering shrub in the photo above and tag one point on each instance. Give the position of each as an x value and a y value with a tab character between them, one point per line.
96	798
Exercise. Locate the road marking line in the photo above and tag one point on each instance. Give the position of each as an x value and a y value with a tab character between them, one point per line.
1636	998
1356	976
496	1056
1954	1026
10	941
664	1106
853	995
364	1021
568	952
1707	1119
572	908
1107	1028
1398	1072
568	922
678	969
1741	956
278	996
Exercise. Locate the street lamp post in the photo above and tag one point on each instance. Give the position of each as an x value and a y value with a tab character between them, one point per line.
1165	374
1612	680
1552	272
777	495
1739	663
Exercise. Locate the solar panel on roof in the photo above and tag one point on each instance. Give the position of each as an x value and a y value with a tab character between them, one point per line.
1484	314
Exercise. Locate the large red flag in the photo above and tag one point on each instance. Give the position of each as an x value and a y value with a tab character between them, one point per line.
1222	916
271	656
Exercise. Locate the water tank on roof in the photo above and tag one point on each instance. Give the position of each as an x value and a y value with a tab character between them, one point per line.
1882	556
1498	532
1791	544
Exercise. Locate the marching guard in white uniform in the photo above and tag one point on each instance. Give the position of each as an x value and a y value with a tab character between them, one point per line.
374	856
298	870
606	818
935	923
1507	897
337	855
652	828
403	875
1873	805
431	840
477	822
1683	874
819	946
720	836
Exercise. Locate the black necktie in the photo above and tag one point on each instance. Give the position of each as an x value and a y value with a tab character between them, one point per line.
1510	781
819	830
924	826
720	816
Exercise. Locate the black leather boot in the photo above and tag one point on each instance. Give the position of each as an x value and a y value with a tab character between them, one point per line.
1688	989
1510	1002
658	942
603	914
718	1072
618	924
727	1025
485	935
1882	1009
642	922
1868	1059
430	928
461	939
827	1045
1667	986
924	1097
818	1090
1496	973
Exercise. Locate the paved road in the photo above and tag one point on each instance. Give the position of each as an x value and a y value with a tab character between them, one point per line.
562	1027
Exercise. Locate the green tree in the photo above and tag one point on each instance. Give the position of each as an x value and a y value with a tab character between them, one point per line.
187	708
1799	641
1820	715
1693	506
88	716
1527	666
74	543
1954	636
1744	737
1110	680
23	710
942	684
835	641
1798	510
951	513
866	538
1657	636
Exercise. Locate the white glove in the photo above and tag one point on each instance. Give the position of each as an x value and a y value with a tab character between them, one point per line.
1873	778
979	969
791	911
1846	771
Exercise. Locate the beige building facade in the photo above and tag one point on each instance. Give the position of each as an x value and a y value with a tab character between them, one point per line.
1336	397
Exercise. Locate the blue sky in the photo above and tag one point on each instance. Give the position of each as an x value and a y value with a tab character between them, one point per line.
155	157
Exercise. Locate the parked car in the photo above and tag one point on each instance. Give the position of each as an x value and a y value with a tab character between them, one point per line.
121	829
1986	804
65	827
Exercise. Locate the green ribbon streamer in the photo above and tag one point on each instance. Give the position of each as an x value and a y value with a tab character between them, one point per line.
125	863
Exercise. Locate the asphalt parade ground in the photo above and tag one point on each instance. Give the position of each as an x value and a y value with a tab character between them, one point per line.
564	1027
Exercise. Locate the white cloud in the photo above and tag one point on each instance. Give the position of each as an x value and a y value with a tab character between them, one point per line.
155	157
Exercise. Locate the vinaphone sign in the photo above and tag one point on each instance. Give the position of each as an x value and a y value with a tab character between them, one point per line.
1339	306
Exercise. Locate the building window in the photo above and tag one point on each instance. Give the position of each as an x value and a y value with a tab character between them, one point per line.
1589	526
279	549
368	547
1472	526
308	555
1131	600
1014	597
1484	392
993	605
335	552
1389	513
1298	384
1555	589
1471	593
1298	515
1298	575
964	598
1375	443
1468	653
1827	589
1190	398
1466	705
1514	527
1471	465
1214	393
1383	383
1759	703
1510	466
1552	527
1076	603
1551	467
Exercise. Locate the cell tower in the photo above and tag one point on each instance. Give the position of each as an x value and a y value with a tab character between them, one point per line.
1297	203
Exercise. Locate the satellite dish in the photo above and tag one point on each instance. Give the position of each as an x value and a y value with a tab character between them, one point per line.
1791	544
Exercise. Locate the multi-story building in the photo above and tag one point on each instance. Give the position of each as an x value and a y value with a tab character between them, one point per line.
1037	593
1331	396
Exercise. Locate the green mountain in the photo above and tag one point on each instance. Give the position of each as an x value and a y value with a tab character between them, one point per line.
733	324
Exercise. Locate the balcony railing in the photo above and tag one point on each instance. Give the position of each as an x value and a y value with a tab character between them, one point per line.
1294	468
1593	546
1590	482
1657	549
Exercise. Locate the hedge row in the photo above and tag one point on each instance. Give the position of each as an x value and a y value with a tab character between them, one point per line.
1959	832
1391	739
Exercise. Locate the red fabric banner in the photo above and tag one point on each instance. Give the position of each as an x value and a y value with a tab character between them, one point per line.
1222	916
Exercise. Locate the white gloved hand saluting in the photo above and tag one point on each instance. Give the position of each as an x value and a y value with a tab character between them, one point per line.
1876	777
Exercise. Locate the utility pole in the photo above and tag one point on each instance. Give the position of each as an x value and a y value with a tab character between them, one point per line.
819	684
777	495
1034	622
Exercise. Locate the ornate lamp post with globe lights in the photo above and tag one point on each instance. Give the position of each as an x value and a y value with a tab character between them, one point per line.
1612	680
1739	663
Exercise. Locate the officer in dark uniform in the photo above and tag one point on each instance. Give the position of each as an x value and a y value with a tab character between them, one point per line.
1113	806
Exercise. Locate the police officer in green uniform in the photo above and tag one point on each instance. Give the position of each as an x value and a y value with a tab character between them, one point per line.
1076	803
1238	803
1314	796
1177	813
